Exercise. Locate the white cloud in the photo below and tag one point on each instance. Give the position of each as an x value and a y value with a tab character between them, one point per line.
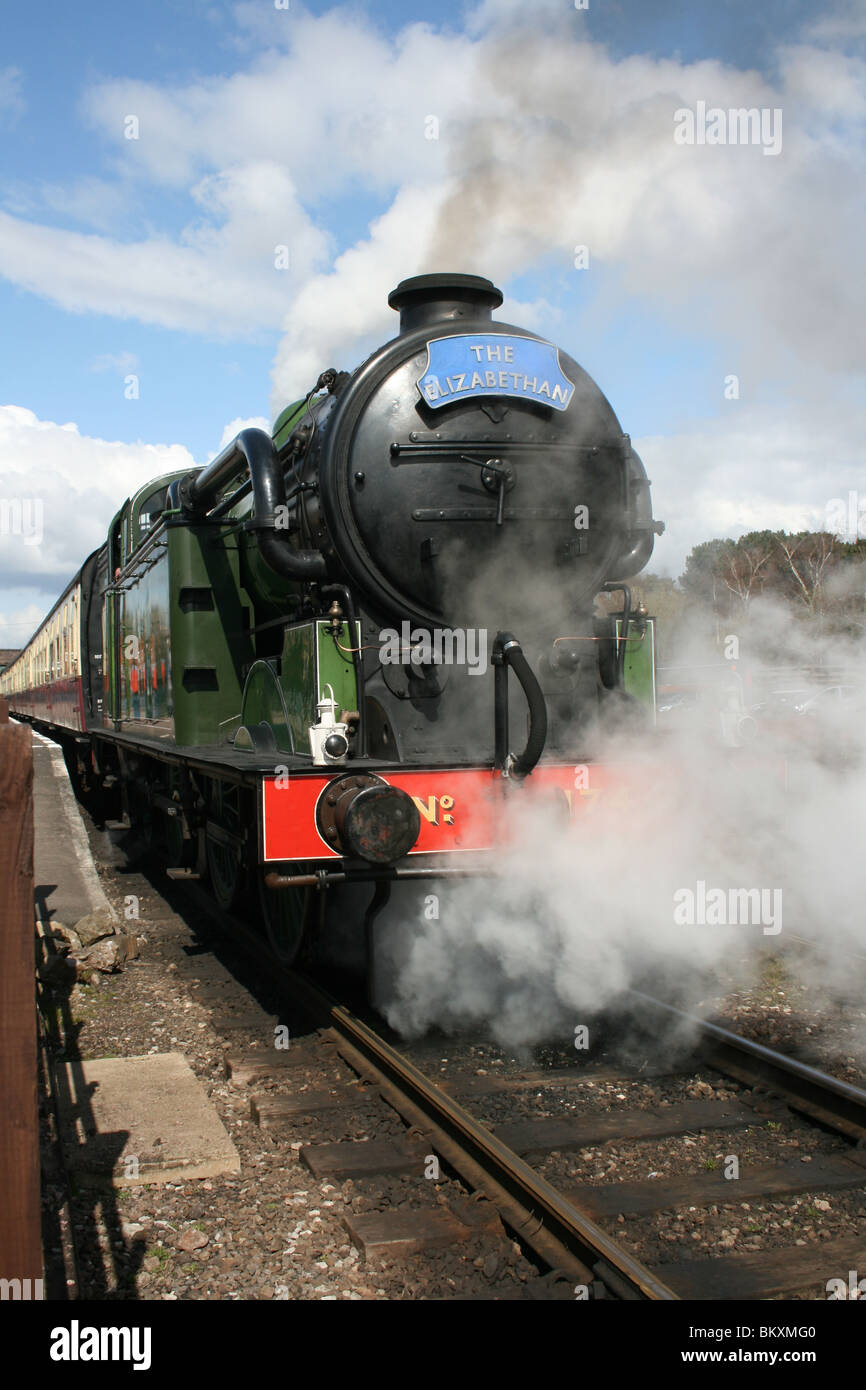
17	624
844	21
220	277
73	484
59	490
99	204
343	105
493	14
753	469
558	144
544	141
233	429
831	84
338	315
257	152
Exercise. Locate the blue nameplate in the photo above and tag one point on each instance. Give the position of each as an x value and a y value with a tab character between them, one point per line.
494	364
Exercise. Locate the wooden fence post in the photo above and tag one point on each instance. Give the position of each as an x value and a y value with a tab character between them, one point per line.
20	1202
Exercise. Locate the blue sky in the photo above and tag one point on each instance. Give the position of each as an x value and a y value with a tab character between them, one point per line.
304	126
177	41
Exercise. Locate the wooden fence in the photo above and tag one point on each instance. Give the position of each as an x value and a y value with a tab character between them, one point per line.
20	1211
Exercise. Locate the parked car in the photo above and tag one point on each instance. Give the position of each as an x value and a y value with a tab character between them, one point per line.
714	707
828	699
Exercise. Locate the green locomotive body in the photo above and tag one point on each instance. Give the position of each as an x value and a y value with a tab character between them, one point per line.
297	666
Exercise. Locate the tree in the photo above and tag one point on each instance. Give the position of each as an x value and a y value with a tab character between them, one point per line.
701	580
809	556
818	577
747	564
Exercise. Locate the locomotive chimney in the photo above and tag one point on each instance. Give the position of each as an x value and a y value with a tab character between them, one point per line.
426	300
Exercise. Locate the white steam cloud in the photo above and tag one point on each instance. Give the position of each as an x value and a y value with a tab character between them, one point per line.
574	915
553	143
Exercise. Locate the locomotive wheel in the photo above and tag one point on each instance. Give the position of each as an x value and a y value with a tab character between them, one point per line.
284	913
139	841
225	870
224	854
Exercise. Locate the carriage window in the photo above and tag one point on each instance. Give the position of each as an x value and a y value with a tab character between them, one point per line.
152	508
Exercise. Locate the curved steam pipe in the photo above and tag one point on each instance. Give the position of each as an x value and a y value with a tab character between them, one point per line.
507	651
254	449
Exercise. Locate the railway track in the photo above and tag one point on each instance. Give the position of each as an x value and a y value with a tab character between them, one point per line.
565	1228
500	1146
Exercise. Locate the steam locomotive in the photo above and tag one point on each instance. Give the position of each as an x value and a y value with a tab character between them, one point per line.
333	655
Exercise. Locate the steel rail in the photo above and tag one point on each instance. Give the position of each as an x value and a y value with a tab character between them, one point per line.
808	1089
571	1244
563	1233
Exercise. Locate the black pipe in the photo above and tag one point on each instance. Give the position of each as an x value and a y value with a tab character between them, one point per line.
622	648
622	644
233	499
380	899
425	300
500	708
254	450
635	559
245	489
360	749
324	878
511	654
